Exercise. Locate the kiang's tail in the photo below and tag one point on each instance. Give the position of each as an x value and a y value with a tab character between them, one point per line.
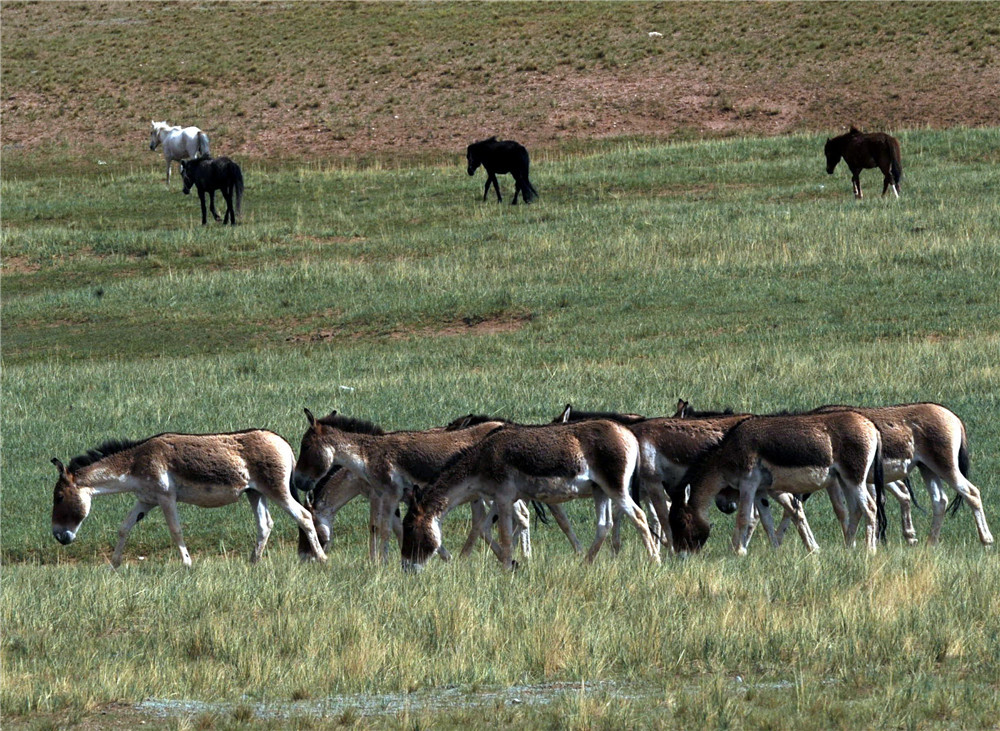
879	476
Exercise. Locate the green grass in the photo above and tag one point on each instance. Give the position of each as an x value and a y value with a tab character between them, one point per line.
732	273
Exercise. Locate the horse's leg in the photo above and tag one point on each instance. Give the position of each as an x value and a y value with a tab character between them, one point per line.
856	182
167	158
492	178
259	508
204	213
169	507
227	193
517	189
211	204
138	512
486	190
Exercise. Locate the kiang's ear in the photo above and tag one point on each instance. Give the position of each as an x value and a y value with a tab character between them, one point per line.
687	494
564	418
59	465
309	415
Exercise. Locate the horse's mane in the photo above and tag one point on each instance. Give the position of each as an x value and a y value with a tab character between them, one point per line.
355	426
112	446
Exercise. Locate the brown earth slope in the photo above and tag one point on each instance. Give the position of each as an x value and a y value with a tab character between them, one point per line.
329	80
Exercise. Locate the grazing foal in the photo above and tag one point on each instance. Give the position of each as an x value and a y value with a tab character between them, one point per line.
861	151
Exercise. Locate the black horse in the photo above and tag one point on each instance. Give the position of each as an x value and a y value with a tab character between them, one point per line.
860	151
209	175
502	156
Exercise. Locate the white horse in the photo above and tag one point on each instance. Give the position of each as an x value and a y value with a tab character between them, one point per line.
179	143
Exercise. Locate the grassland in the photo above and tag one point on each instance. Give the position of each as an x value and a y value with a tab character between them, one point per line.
675	252
728	272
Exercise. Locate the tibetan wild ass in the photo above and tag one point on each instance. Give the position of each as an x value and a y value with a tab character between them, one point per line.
208	470
792	454
667	448
860	151
931	438
551	464
391	463
502	156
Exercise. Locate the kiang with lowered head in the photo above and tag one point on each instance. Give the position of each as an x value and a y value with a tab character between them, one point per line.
390	463
798	453
208	470
550	463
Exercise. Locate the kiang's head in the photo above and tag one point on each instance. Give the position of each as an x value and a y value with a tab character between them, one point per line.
688	528
70	505
315	454
421	534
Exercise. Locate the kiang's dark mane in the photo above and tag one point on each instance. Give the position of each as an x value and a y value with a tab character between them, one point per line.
112	446
464	422
355	426
578	415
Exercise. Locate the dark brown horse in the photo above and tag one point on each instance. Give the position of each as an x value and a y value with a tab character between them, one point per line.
502	156
861	151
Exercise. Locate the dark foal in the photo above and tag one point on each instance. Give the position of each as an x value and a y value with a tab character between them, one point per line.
502	156
209	175
861	151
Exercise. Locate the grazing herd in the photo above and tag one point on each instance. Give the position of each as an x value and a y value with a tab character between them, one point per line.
678	466
189	146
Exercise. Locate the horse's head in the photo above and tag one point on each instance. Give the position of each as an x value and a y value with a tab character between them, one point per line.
70	505
154	135
688	528
421	534
188	169
832	152
472	156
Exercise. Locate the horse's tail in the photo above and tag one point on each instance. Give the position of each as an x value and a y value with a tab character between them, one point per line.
203	145
239	190
896	164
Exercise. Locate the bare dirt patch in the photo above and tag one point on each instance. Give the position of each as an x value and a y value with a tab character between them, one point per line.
340	80
474	325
